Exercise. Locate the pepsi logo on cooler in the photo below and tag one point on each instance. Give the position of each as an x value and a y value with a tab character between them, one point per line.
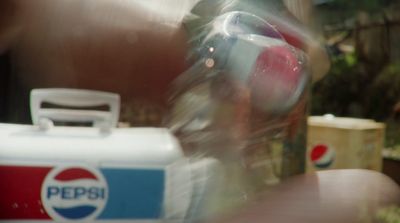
322	156
81	193
74	193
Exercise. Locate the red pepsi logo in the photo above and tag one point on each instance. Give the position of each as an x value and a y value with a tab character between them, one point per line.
74	193
322	156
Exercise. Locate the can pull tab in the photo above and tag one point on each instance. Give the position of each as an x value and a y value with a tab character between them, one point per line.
76	99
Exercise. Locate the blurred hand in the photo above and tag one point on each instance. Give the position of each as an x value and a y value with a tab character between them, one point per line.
134	48
335	196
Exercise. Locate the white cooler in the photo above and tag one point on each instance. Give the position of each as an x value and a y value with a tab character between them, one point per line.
101	173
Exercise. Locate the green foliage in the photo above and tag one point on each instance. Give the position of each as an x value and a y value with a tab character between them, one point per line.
389	215
392	135
384	101
366	5
339	91
351	7
385	92
338	11
351	90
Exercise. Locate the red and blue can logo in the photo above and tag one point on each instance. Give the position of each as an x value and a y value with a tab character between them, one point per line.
74	193
322	156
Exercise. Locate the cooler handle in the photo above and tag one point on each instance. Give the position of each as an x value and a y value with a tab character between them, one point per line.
75	98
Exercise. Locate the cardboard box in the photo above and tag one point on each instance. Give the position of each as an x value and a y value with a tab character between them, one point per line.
344	143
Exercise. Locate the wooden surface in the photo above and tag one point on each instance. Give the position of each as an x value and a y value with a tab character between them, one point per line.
334	196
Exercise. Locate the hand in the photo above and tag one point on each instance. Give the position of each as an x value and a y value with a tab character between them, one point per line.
134	48
335	196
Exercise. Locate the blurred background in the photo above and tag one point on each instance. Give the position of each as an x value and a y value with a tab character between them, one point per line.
364	80
361	38
348	119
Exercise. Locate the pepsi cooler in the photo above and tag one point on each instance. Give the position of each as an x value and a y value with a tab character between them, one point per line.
344	143
52	173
